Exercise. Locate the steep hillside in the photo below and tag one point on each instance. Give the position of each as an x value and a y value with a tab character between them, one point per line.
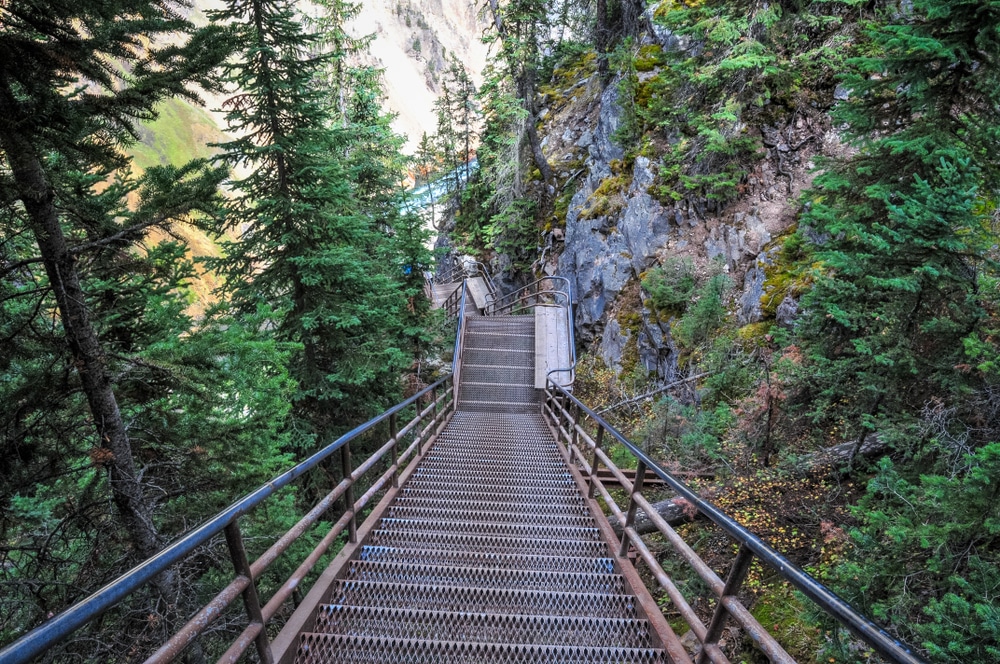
780	221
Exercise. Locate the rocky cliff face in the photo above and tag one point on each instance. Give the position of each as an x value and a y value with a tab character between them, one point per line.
413	42
616	229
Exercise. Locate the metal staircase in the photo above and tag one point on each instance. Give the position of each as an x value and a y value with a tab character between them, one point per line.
488	554
498	366
486	540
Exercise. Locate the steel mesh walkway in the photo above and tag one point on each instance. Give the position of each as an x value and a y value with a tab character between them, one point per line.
489	552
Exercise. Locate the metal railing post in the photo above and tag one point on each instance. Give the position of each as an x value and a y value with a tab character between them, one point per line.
563	411
640	476
395	448
345	467
737	573
251	601
595	461
575	437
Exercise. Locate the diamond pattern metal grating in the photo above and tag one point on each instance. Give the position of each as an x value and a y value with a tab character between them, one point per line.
349	649
489	553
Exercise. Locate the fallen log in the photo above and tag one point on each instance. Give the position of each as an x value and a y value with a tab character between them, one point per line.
675	511
840	455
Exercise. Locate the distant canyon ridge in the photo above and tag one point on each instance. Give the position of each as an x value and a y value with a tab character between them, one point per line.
414	40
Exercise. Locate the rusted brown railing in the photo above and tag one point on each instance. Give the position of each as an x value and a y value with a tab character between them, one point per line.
433	406
574	423
455	302
547	290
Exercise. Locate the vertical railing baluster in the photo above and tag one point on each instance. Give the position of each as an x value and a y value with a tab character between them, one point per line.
238	553
737	574
640	476
345	467
395	448
564	408
595	461
575	438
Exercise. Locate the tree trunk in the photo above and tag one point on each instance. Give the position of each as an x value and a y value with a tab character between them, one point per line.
525	83
841	455
528	98
601	38
38	197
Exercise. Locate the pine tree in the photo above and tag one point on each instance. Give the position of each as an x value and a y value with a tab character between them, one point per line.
426	165
894	323
61	143
312	212
907	219
520	28
465	111
446	136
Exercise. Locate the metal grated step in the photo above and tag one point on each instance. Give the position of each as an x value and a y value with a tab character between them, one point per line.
479	373
498	393
493	407
500	341
487	543
463	433
331	648
451	473
465	475
484	577
490	455
530	511
524	321
492	559
440	488
507	358
446	515
349	592
492	529
396	623
514	494
504	423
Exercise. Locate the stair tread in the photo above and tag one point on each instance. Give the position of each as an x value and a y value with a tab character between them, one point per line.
343	648
493	559
391	622
485	577
351	592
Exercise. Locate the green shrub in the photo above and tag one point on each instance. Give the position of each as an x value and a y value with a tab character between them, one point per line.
671	285
706	314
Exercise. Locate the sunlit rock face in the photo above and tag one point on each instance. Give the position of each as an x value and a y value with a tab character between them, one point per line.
413	42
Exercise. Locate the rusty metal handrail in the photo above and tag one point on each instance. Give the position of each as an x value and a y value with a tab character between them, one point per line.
454	305
558	287
463	270
439	405
456	273
456	358
565	412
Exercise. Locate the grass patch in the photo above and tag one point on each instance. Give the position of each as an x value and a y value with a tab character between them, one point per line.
181	133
